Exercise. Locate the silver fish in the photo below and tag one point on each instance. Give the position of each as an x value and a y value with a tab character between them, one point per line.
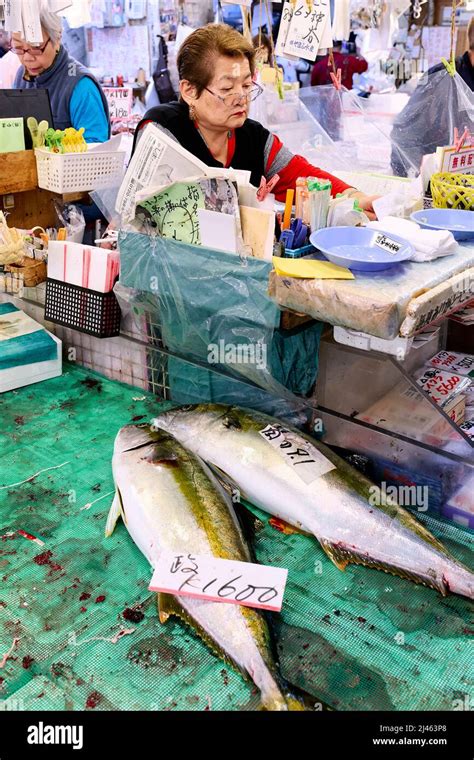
267	462
169	500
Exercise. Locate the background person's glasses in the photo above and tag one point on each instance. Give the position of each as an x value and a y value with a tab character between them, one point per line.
234	98
34	51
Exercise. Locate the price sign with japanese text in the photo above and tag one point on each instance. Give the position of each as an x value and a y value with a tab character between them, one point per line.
307	31
219	580
120	101
304	458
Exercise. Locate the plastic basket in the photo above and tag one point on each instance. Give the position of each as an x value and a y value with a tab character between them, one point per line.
78	172
85	310
453	191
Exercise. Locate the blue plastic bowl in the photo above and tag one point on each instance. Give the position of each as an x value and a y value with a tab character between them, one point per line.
361	248
457	221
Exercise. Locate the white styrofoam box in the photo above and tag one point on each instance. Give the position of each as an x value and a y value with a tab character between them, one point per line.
398	347
28	374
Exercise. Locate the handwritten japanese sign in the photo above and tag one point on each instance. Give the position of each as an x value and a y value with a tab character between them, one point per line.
454	361
387	243
286	16
307	27
120	101
219	580
442	386
304	458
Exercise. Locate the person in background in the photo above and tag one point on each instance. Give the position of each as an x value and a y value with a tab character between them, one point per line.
293	70
349	65
263	49
9	62
430	122
76	96
4	43
216	66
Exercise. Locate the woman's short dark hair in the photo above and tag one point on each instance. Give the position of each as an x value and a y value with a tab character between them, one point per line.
198	51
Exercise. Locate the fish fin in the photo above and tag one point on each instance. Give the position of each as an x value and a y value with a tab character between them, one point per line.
334	555
162	603
226	482
114	513
170	605
343	556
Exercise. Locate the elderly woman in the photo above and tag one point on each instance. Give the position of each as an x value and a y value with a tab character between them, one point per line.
216	67
76	97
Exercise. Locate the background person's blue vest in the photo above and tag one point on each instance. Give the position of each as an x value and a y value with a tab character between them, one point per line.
60	80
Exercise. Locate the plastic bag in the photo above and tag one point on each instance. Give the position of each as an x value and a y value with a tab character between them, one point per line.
211	310
438	105
72	218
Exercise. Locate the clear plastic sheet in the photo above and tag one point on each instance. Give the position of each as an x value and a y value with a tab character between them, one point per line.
335	130
211	310
439	104
361	134
105	198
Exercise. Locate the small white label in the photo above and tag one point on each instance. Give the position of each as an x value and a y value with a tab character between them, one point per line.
468	428
462	364
219	580
387	243
297	453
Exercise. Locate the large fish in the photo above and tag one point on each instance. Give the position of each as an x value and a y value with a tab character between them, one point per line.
300	480
170	500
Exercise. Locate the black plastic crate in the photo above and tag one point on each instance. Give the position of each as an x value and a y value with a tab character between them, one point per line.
85	310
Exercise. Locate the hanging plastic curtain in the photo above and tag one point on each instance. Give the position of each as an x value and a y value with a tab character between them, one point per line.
440	104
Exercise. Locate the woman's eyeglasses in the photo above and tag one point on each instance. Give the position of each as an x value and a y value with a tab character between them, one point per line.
234	98
34	51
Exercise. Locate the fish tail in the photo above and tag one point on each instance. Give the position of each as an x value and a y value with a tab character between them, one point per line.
274	703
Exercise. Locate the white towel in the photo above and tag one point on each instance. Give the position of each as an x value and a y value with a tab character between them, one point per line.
428	244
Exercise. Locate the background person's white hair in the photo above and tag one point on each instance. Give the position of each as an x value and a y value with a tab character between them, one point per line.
51	22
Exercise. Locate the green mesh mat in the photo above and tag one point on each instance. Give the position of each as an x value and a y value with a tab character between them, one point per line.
355	640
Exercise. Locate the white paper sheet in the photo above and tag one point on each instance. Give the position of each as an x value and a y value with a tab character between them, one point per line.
77	13
136	9
13	17
286	16
341	25
217	230
31	22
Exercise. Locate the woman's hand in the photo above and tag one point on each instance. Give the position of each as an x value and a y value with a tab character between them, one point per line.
366	204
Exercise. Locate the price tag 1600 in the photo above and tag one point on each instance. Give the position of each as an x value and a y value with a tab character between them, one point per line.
219	580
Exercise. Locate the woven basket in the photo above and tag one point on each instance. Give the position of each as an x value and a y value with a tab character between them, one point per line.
453	191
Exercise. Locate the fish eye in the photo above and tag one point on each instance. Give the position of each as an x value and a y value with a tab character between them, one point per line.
230	421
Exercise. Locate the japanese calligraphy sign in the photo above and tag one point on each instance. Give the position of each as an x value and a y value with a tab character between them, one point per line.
307	29
286	17
219	580
304	458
